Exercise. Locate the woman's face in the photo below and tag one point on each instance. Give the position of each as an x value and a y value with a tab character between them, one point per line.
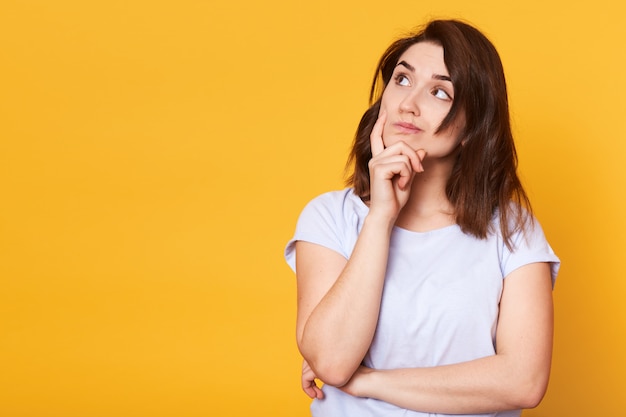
417	99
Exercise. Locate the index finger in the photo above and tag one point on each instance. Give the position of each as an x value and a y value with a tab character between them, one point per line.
376	137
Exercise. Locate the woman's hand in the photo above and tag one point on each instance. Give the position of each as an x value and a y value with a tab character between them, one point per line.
308	382
392	170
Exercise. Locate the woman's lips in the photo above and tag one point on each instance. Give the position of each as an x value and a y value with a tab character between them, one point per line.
406	128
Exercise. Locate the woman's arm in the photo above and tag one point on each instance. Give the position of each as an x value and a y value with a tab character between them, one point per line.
515	377
339	299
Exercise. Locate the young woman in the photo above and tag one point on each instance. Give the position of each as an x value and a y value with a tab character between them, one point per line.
426	287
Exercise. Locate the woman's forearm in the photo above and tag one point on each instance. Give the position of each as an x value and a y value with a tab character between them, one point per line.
481	386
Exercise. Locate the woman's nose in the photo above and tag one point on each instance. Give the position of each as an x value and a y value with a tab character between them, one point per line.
411	103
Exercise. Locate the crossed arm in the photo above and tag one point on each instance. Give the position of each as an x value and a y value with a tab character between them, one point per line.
335	329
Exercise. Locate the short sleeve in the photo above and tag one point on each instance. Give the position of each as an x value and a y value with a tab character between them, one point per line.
329	220
529	246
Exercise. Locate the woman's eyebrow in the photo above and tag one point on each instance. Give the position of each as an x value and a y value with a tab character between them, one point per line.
406	65
412	69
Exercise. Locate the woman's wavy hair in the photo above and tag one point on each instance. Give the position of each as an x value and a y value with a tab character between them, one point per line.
484	177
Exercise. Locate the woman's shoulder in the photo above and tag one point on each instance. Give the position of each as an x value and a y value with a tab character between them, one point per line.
528	240
331	219
338	202
519	219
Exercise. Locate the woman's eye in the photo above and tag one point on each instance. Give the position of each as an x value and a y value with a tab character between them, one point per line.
439	93
402	80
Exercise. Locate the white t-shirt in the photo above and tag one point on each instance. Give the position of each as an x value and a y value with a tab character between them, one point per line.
440	299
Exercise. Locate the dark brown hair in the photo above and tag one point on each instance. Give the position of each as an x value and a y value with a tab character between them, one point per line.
484	177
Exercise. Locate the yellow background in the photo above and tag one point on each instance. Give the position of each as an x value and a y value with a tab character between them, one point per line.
154	157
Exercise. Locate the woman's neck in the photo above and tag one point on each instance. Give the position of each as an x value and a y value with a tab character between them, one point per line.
428	207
